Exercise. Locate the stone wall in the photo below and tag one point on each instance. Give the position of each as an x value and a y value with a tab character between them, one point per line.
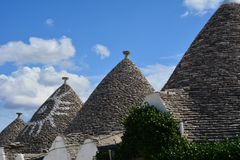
50	120
208	77
10	133
104	111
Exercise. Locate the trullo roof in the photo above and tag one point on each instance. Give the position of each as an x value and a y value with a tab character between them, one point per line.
50	120
10	133
124	87
204	90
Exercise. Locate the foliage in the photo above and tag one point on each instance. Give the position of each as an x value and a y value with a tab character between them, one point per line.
228	149
153	135
148	132
102	156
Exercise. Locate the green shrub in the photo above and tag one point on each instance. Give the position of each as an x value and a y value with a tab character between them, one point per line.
147	133
153	135
228	149
102	156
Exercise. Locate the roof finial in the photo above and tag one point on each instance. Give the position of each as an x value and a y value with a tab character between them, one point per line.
65	79
126	54
19	114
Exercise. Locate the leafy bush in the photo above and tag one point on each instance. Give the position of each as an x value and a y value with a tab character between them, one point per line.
102	156
153	135
148	132
228	149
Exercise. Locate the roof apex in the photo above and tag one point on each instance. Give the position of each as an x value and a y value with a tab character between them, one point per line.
126	54
10	133
50	120
205	82
122	88
19	114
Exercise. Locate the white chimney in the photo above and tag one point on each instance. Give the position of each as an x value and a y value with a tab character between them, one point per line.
181	128
2	154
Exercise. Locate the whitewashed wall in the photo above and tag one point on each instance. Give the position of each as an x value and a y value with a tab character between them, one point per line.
58	150
19	157
87	151
2	154
155	100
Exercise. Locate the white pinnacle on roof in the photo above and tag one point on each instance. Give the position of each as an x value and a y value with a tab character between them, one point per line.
87	151
231	1
2	154
58	150
19	157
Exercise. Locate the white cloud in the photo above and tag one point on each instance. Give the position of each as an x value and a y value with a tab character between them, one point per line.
231	1
50	22
30	87
101	50
187	13
158	74
200	7
38	51
177	57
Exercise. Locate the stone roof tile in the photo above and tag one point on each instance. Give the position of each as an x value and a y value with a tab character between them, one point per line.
205	85
50	120
124	87
10	133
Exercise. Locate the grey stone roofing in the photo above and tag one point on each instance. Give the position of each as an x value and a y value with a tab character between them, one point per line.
124	87
50	120
10	133
204	89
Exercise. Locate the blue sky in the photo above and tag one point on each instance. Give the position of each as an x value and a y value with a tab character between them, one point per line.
40	41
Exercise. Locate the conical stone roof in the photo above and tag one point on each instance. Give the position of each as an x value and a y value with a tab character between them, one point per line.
105	109
50	120
204	89
10	133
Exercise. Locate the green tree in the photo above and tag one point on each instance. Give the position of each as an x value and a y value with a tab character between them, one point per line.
153	135
147	133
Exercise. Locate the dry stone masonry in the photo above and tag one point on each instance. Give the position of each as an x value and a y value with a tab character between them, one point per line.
50	120
203	93
204	90
104	111
10	133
